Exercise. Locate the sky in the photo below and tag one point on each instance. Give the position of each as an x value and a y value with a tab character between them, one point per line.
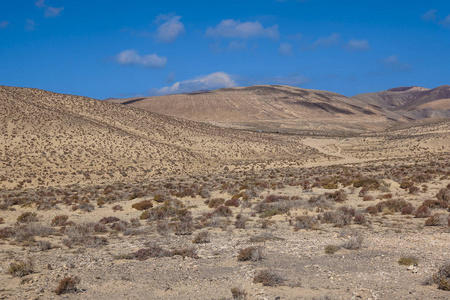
120	49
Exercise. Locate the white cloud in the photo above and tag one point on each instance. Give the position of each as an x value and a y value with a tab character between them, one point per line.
285	49
132	57
331	40
4	24
445	22
237	45
170	78
236	29
394	64
208	82
30	25
49	11
358	45
53	11
170	28
430	15
40	3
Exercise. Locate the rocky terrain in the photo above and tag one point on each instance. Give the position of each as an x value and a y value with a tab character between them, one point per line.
100	200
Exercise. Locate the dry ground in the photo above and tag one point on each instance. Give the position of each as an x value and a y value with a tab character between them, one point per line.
109	200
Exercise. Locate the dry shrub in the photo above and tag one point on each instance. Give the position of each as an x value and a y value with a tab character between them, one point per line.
252	253
306	222
67	285
107	220
369	183
437	220
268	278
444	194
7	232
442	277
185	252
151	251
201	238
240	222
354	242
117	208
232	202
238	294
360	219
60	220
21	268
223	211
422	212
82	235
214	203
143	205
27	217
44	245
408	210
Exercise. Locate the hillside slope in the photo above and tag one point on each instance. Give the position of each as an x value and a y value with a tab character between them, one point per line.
49	138
269	107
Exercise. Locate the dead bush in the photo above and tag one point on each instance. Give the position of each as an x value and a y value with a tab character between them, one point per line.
306	222
442	277
238	294
201	238
27	217
21	268
60	220
268	278
67	285
252	253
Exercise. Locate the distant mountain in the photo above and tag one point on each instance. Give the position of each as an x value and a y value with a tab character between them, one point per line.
413	102
270	107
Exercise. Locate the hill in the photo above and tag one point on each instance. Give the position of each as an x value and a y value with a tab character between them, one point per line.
412	102
271	108
50	138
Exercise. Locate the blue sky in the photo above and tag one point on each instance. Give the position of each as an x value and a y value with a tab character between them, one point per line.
101	49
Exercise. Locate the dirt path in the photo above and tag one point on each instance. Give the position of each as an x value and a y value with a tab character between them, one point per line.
329	147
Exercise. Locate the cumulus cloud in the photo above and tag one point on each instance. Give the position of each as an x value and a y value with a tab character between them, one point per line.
358	45
49	11
53	11
170	28
132	57
327	41
4	24
207	82
40	3
445	22
244	30
170	78
285	49
432	16
393	63
237	45
30	25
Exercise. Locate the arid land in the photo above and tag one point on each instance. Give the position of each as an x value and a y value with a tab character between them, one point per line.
340	199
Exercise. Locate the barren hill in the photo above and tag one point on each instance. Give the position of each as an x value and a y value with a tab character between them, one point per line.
49	138
272	108
413	102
